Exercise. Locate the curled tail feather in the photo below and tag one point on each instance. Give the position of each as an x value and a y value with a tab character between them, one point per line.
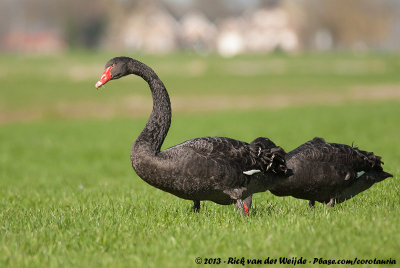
268	156
371	161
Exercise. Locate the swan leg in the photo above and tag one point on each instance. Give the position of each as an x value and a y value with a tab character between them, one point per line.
242	207
196	206
311	203
247	201
331	203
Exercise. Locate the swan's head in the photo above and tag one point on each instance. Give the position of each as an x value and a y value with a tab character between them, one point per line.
114	69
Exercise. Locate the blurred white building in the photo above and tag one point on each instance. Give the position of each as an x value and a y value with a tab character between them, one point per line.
231	39
153	30
270	29
263	31
197	32
149	29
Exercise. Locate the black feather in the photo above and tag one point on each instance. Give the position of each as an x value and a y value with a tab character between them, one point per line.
209	168
323	171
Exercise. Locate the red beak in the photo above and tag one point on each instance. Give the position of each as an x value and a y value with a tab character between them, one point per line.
105	77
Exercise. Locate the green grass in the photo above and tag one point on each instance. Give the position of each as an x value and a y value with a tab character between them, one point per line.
29	82
69	197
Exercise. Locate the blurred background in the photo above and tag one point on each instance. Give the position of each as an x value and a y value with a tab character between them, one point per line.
227	27
288	70
236	54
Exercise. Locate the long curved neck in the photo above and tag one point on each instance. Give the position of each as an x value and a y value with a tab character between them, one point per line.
152	136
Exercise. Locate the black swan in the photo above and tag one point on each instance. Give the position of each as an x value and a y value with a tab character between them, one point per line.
222	170
326	172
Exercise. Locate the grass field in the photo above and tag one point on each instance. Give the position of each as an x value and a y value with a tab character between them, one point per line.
69	197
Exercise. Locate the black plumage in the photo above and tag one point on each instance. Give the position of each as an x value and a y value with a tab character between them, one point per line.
209	168
327	172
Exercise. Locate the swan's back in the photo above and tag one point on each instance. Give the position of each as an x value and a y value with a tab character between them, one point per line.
322	171
348	157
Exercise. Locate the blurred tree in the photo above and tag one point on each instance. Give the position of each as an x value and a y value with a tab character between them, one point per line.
350	24
83	22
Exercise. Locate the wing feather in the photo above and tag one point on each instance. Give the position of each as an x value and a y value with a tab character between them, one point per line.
347	159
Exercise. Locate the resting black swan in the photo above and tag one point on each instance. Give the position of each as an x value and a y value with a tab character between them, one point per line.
222	170
326	172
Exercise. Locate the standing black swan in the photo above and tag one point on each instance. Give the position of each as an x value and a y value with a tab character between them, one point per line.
326	172
222	170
